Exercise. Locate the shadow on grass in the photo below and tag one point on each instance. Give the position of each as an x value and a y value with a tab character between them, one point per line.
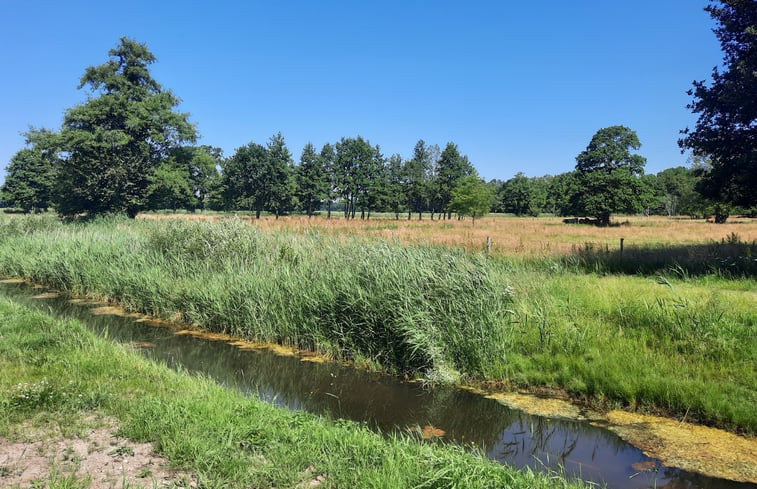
730	258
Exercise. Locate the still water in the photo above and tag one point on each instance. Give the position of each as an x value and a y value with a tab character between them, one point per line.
388	404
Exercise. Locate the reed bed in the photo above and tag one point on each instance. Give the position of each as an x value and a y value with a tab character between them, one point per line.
426	310
676	340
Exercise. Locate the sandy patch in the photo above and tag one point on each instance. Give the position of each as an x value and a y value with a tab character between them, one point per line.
46	295
538	406
695	448
40	459
113	311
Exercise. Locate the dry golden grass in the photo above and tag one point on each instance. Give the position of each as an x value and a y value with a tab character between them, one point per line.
512	236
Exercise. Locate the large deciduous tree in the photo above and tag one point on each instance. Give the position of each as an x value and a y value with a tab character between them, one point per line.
116	139
30	178
608	175
726	129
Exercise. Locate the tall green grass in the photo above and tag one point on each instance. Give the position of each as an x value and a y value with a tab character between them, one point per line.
58	372
679	344
409	309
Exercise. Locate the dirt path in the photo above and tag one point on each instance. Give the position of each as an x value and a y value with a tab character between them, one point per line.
91	456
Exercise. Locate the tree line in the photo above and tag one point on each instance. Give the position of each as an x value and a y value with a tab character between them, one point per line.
126	149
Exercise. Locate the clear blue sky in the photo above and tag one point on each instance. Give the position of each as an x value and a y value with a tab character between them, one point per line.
519	86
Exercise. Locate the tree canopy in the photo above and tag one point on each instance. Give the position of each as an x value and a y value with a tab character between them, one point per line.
30	181
726	129
608	175
116	139
472	197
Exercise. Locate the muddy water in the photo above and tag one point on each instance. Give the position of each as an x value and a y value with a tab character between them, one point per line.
506	435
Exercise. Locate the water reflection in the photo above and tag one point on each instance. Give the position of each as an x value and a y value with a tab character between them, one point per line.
385	403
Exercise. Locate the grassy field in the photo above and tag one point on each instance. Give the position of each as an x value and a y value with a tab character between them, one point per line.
56	373
668	327
511	236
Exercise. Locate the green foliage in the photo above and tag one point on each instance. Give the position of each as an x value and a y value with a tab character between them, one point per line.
312	180
560	190
357	174
472	197
726	129
522	195
281	179
116	139
246	179
395	181
199	167
608	175
31	173
170	188
451	168
676	191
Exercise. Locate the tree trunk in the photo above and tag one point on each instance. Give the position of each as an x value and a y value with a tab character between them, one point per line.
329	211
420	216
257	214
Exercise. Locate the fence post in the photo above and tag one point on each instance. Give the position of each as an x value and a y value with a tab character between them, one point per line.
488	245
621	246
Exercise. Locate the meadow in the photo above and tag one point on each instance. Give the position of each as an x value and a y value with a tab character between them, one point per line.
667	327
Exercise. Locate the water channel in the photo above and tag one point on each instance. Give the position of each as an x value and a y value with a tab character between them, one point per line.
386	403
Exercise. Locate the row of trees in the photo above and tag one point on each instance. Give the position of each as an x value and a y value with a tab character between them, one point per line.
670	192
127	149
351	175
354	177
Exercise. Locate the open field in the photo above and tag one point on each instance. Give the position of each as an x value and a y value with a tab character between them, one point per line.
677	344
56	376
511	236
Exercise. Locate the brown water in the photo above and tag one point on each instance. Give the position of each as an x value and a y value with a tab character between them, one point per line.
388	404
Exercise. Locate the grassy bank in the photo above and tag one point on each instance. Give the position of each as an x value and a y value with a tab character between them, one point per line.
57	370
676	345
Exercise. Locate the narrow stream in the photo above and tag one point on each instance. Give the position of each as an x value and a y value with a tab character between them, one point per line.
386	403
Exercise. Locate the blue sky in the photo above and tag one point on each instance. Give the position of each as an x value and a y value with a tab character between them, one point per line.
519	86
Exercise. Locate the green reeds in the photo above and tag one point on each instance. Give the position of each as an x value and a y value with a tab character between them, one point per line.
428	310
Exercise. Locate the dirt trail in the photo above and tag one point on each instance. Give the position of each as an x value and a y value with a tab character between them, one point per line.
94	458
